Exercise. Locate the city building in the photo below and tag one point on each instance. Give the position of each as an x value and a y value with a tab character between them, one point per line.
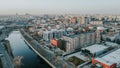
84	39
110	36
84	20
32	29
52	34
111	60
73	20
59	43
47	35
97	23
54	42
94	50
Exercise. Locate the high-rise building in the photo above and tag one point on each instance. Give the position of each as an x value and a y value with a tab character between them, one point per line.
52	34
47	35
81	40
81	20
84	20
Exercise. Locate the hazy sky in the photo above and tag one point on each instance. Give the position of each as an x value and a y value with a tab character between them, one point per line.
59	6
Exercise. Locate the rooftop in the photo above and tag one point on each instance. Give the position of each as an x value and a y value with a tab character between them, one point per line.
53	30
111	44
111	58
76	35
96	48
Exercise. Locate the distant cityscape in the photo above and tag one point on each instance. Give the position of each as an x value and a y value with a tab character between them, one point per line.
60	41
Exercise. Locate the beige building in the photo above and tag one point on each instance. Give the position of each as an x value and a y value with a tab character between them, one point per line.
96	23
81	40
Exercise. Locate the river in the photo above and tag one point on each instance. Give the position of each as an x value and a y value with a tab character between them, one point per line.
20	48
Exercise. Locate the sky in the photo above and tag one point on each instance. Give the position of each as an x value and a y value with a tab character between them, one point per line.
60	6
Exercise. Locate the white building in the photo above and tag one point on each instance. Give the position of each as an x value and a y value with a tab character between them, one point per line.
54	33
47	35
96	23
95	49
111	60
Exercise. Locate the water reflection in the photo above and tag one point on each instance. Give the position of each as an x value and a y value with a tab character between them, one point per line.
20	48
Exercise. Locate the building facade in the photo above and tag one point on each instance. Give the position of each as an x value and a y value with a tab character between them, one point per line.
81	40
52	34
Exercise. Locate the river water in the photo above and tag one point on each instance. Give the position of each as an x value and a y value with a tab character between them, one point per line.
20	48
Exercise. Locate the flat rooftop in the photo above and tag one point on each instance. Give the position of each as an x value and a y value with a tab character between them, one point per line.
111	44
75	35
95	48
109	59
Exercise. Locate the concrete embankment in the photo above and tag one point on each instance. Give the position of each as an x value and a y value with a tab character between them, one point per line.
48	56
38	53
